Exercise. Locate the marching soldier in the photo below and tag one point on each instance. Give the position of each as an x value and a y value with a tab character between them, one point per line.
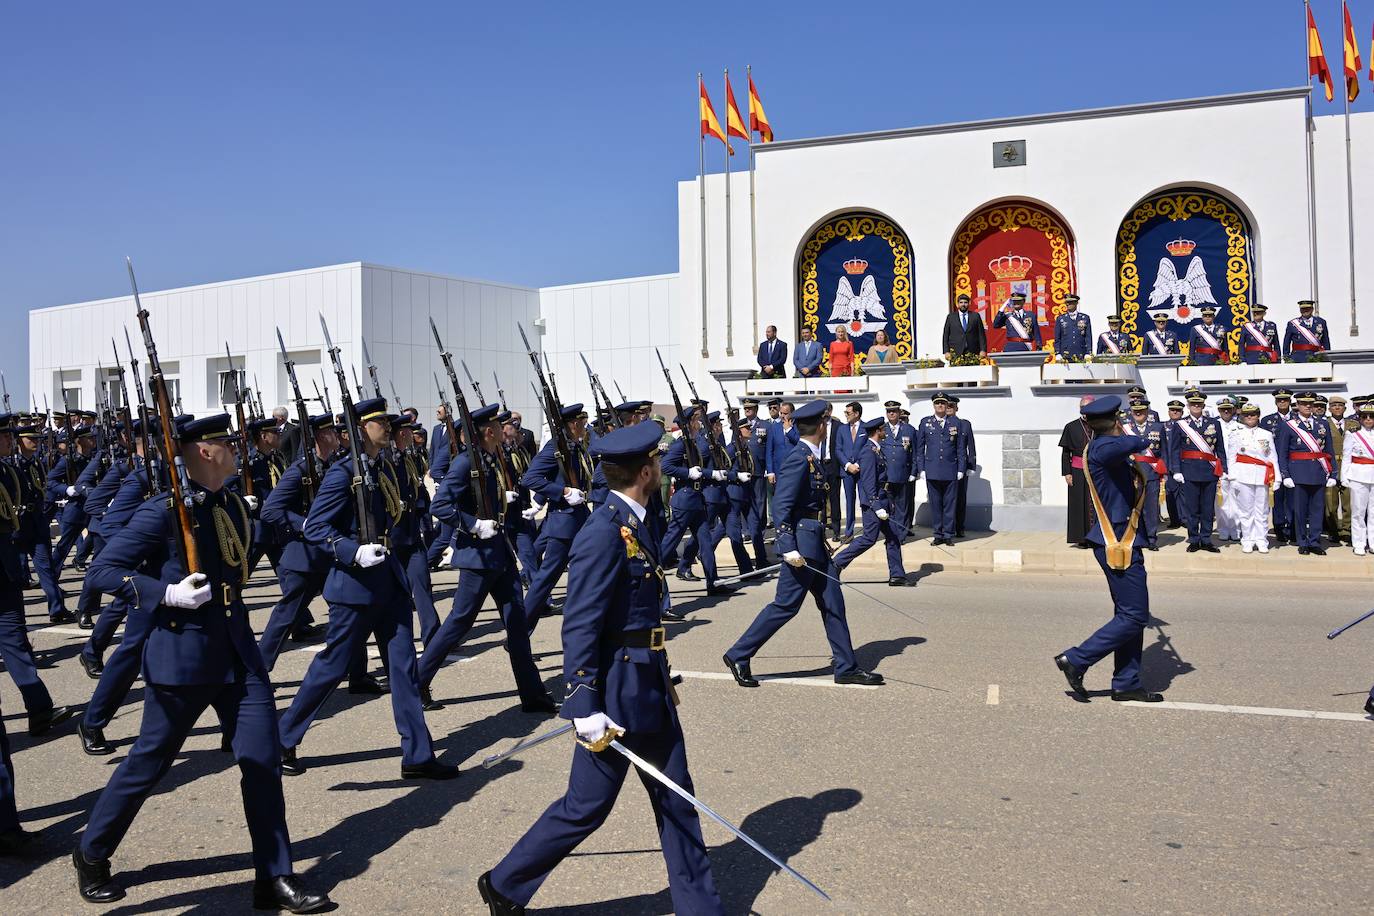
63	492
266	465
723	476
1259	339
1305	465
30	465
1283	515
740	492
1357	475
1112	341
940	461
522	527
1336	520
1252	464
1206	340
1197	459
200	653
1307	335
1023	331
1152	466
876	503
808	566
566	508
1073	330
402	494
1160	341
689	501
97	485
756	520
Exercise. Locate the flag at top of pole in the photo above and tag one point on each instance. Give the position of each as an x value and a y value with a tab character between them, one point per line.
758	121
1316	58
710	124
734	121
1351	56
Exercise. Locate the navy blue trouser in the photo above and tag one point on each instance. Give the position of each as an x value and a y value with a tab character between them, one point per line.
960	506
1124	635
873	528
1149	513
793	585
169	714
851	496
1283	514
111	616
1306	503
696	521
593	785
554	560
9	813
941	496
349	626
47	577
525	534
473	587
1199	503
89	602
70	536
121	670
416	563
297	591
736	525
17	651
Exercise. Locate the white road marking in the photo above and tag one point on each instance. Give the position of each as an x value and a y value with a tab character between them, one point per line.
801	681
994	694
63	631
1257	711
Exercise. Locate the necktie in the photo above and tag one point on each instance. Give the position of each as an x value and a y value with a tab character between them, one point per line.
963	319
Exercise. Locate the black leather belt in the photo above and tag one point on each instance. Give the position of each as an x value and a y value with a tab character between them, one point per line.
642	639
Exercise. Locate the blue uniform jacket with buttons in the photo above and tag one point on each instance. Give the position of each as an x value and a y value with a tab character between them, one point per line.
100	494
970	448
1154	434
12	535
899	452
1168	338
687	493
615	585
872	475
286	509
798	498
1121	339
204	645
405	521
1305	470
1195	470
133	490
1112	468
940	450
1073	333
73	512
332	525
455	503
545	478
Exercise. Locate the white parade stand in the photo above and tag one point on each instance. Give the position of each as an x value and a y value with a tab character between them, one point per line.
1260	373
951	376
1113	373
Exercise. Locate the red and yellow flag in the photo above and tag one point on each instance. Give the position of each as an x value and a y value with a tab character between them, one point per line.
710	124
1316	58
1352	56
734	121
758	121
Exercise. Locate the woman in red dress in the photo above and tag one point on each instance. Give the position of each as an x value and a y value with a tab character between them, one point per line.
841	355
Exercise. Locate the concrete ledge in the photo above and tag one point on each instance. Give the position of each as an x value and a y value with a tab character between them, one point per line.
1350	356
1078	389
1264	388
969	391
1022	358
1160	362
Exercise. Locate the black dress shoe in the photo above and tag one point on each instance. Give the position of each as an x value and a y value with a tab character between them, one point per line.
79	566
544	704
93	740
226	743
308	634
688	576
1317	551
898	582
1369	706
62	616
1194	548
93	880
743	676
1304	551
17	841
427	701
85	622
290	766
286	892
1211	548
721	590
1154	547
367	686
40	723
861	677
670	614
1072	675
1139	695
93	669
498	904
430	769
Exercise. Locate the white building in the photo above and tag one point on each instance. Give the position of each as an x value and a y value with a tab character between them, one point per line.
1088	173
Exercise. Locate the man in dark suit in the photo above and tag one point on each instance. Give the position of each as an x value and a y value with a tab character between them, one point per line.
964	332
288	433
852	437
772	354
525	436
833	456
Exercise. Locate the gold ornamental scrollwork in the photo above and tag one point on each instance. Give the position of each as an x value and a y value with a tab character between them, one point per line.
1012	218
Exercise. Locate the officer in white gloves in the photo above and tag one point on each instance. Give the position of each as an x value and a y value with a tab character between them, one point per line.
876	505
1253	472
1307	467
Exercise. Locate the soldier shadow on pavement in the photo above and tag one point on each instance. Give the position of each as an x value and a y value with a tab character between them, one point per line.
784	828
1160	663
869	657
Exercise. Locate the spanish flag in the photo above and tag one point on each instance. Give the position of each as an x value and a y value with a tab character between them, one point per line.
1352	57
1316	58
758	121
710	124
734	121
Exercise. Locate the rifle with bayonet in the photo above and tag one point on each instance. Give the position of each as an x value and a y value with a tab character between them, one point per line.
180	481
372	371
553	382
481	399
245	471
548	399
719	458
144	417
618	391
50	433
356	384
363	483
746	457
689	442
256	393
449	429
476	462
395	396
605	411
67	425
6	389
501	392
102	415
310	478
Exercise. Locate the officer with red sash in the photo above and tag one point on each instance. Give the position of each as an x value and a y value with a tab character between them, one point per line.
1023	331
1196	461
1259	339
1306	464
1112	342
1306	336
1206	341
1152	466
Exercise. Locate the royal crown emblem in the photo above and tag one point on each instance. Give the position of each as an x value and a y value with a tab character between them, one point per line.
1011	267
1181	248
855	266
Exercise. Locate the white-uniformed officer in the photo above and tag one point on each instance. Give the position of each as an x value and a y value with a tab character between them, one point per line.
1253	471
1357	474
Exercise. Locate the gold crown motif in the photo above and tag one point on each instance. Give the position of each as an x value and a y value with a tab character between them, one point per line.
855	266
1011	267
1181	248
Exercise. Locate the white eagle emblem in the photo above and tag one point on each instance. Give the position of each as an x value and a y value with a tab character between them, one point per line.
1192	290
853	311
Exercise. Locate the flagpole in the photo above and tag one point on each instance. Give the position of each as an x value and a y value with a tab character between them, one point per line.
701	198
1349	182
729	293
753	237
1311	174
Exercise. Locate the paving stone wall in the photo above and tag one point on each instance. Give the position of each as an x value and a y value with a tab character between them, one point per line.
1021	469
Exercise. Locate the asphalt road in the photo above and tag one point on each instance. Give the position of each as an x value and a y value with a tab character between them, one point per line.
970	783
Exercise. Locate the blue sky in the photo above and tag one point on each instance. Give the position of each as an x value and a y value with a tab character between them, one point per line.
533	143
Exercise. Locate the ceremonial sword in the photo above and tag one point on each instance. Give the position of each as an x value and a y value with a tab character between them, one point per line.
1339	630
662	778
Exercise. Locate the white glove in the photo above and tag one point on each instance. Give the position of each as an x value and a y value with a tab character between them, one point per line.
594	727
921	476
1288	482
369	555
1225	476
529	514
973	472
252	502
1330	482
575	497
511	496
188	594
1276	486
71	491
911	479
958	475
694	473
1178	478
881	513
484	528
718	475
792	558
743	476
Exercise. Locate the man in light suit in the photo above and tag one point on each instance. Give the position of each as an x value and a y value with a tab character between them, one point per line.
964	332
772	354
808	359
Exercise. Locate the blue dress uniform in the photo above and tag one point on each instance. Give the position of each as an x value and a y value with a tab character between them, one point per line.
1201	467
408	537
9	812
689	504
520	524
941	456
1259	339
615	664
72	516
873	497
1160	341
1305	336
1073	332
441	455
757	518
1153	469
741	503
801	499
1114	476
1306	464
899	457
133	490
1112	337
193	659
562	519
1206	341
39	531
100	486
1023	330
266	469
1283	512
970	463
717	498
486	567
361	600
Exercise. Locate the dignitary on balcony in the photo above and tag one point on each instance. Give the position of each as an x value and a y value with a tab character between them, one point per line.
1112	342
1306	336
1160	341
1073	330
807	360
1206	340
882	351
1259	339
772	354
841	353
1023	331
963	334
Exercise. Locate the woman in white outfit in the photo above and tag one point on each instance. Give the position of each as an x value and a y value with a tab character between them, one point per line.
1357	475
1253	469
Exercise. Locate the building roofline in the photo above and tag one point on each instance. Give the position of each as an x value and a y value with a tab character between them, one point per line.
585	283
437	276
1213	101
